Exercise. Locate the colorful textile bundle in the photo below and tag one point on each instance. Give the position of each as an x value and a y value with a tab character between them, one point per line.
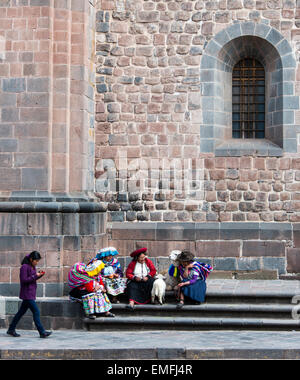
94	268
111	267
96	303
199	271
173	271
78	276
203	269
114	286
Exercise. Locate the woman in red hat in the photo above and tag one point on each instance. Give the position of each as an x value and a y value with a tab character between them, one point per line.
140	273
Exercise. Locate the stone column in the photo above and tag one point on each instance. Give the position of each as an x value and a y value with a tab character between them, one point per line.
46	99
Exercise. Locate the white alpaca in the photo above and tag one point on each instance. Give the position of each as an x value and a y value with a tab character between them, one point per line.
173	281
159	289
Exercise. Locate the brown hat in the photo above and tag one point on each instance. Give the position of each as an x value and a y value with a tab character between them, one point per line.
186	256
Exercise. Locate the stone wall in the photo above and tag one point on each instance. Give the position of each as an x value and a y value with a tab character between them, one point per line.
63	233
126	105
230	247
225	189
163	142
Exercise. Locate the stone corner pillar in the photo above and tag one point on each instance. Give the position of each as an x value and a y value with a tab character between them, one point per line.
47	100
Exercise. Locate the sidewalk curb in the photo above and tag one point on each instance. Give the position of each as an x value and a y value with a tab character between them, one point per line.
148	353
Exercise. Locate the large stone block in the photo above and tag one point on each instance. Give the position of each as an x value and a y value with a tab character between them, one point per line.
175	231
34	178
275	231
242	231
13	85
207	231
227	264
293	260
263	248
38	84
133	231
218	248
10	179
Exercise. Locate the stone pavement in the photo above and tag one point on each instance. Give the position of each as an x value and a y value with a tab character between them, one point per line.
250	287
66	344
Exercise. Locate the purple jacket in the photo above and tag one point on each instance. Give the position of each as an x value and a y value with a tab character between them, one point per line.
28	279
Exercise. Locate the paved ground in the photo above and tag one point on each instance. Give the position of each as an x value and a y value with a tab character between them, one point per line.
275	287
152	345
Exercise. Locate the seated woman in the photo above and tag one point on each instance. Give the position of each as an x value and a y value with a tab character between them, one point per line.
140	273
88	288
193	278
112	274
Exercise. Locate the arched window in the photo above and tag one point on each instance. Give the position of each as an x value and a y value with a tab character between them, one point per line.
248	99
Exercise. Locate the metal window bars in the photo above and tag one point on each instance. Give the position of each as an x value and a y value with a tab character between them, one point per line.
248	99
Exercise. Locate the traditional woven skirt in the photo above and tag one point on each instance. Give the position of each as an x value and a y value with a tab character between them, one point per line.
195	291
140	292
96	303
115	286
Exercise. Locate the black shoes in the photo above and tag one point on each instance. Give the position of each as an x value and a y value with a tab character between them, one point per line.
45	334
15	335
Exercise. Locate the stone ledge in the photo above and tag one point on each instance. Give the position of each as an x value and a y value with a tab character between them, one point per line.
187	231
246	147
51	207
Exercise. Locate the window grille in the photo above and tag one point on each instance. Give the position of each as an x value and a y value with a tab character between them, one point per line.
248	99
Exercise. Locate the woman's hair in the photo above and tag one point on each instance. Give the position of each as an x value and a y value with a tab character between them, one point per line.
138	255
186	256
34	255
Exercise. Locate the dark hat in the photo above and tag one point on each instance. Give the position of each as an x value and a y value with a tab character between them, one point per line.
186	256
138	252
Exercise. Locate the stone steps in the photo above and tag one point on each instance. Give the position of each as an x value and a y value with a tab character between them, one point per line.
223	310
229	304
274	311
189	323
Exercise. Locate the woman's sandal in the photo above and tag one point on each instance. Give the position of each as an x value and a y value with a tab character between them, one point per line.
115	300
110	315
180	305
129	307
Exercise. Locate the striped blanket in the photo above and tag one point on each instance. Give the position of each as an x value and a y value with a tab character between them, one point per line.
201	270
78	276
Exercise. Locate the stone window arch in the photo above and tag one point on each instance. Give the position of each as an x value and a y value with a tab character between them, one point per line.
267	45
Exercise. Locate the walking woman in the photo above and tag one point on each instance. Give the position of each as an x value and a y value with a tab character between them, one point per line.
193	279
28	279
